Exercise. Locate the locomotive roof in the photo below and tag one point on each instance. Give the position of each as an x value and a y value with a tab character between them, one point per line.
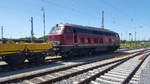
87	27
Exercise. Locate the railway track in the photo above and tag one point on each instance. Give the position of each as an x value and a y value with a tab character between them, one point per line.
126	73
68	74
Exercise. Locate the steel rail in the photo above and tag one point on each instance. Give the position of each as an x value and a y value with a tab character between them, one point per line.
85	70
88	80
111	67
126	81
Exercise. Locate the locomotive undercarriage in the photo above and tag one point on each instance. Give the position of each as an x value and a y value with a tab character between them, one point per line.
72	51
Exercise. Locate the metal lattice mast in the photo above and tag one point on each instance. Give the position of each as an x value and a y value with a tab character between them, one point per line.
102	19
43	24
2	33
32	33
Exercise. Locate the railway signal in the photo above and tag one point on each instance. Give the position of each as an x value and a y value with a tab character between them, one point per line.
130	38
135	38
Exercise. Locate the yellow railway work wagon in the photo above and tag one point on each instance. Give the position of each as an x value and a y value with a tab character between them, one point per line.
16	54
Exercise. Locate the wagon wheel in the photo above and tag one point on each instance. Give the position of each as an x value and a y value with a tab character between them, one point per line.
36	58
15	59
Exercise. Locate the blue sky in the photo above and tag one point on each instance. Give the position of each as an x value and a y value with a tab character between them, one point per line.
122	16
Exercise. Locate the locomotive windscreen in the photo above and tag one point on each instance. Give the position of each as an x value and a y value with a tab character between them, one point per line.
55	30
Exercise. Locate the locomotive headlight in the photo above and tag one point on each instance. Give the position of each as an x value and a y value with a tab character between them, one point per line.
55	42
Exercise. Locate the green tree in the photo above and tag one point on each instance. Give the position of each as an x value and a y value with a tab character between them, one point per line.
10	42
46	38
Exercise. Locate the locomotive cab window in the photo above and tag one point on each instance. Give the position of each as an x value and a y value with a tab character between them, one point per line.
56	30
117	35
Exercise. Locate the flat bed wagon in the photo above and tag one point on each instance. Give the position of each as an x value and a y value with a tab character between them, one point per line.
16	54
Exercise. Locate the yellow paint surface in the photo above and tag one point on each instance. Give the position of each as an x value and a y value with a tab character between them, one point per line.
33	47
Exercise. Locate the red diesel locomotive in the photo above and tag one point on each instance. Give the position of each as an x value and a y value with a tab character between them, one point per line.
70	39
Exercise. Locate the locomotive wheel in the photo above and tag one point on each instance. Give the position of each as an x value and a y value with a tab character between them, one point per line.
15	60
90	52
67	54
36	58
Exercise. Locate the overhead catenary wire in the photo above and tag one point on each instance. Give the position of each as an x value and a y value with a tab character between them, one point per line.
62	6
130	19
85	14
69	8
117	10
